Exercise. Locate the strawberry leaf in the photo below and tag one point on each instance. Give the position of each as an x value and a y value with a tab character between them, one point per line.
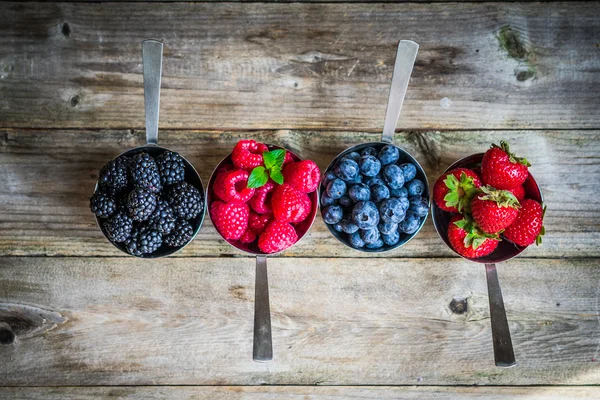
277	176
258	177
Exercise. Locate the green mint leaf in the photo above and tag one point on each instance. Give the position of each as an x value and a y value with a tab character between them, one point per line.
258	177
270	159
276	175
280	157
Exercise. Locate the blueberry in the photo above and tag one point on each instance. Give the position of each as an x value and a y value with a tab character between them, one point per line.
391	210
357	179
345	201
410	224
360	192
332	214
369	165
328	177
377	245
389	154
346	169
387	227
348	226
419	206
365	214
354	156
369	151
370	236
375	181
326	200
409	171
415	187
336	188
392	175
338	227
402	192
391	238
356	241
379	192
405	203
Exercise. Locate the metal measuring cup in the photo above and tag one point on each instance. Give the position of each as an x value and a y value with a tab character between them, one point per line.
504	355
262	348
152	53
403	66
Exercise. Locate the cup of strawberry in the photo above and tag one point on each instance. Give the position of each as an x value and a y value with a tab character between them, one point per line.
262	200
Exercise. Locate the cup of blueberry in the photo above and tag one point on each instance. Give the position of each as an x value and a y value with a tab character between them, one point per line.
374	197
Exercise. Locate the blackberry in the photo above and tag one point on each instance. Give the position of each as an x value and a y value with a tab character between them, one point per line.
186	200
114	174
118	228
141	203
171	168
163	218
143	240
102	203
144	172
181	234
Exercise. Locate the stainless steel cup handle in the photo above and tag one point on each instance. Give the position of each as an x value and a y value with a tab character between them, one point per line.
405	61
503	349
263	342
152	51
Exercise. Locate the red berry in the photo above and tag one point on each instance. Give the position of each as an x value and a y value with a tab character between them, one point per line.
288	158
502	169
235	187
248	237
494	210
248	154
230	219
219	185
261	201
468	241
290	204
303	175
277	236
518	191
528	227
454	190
258	222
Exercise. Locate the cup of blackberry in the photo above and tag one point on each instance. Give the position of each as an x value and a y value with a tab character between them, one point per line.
149	201
375	196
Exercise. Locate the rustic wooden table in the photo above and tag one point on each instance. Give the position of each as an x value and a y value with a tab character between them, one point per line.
90	321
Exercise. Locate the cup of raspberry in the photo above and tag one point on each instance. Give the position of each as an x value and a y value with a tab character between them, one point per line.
488	208
149	201
263	199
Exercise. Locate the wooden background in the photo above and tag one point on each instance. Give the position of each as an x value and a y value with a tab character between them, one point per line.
91	322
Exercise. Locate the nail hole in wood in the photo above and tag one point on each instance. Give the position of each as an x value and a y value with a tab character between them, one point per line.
458	306
66	29
7	336
74	101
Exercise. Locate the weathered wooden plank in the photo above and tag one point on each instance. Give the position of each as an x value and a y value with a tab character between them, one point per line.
302	393
335	321
256	66
48	176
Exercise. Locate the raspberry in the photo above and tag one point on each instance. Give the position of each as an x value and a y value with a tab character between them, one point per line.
303	175
219	185
230	219
277	236
258	222
247	154
248	237
235	187
288	158
290	204
261	201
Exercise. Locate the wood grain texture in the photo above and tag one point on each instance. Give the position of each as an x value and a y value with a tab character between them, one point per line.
335	321
312	66
47	177
302	393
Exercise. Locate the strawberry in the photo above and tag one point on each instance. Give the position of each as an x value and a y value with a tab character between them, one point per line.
248	237
247	154
303	175
468	241
290	204
502	169
528	227
258	222
219	185
261	201
234	187
454	190
518	191
230	219
277	236
494	210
